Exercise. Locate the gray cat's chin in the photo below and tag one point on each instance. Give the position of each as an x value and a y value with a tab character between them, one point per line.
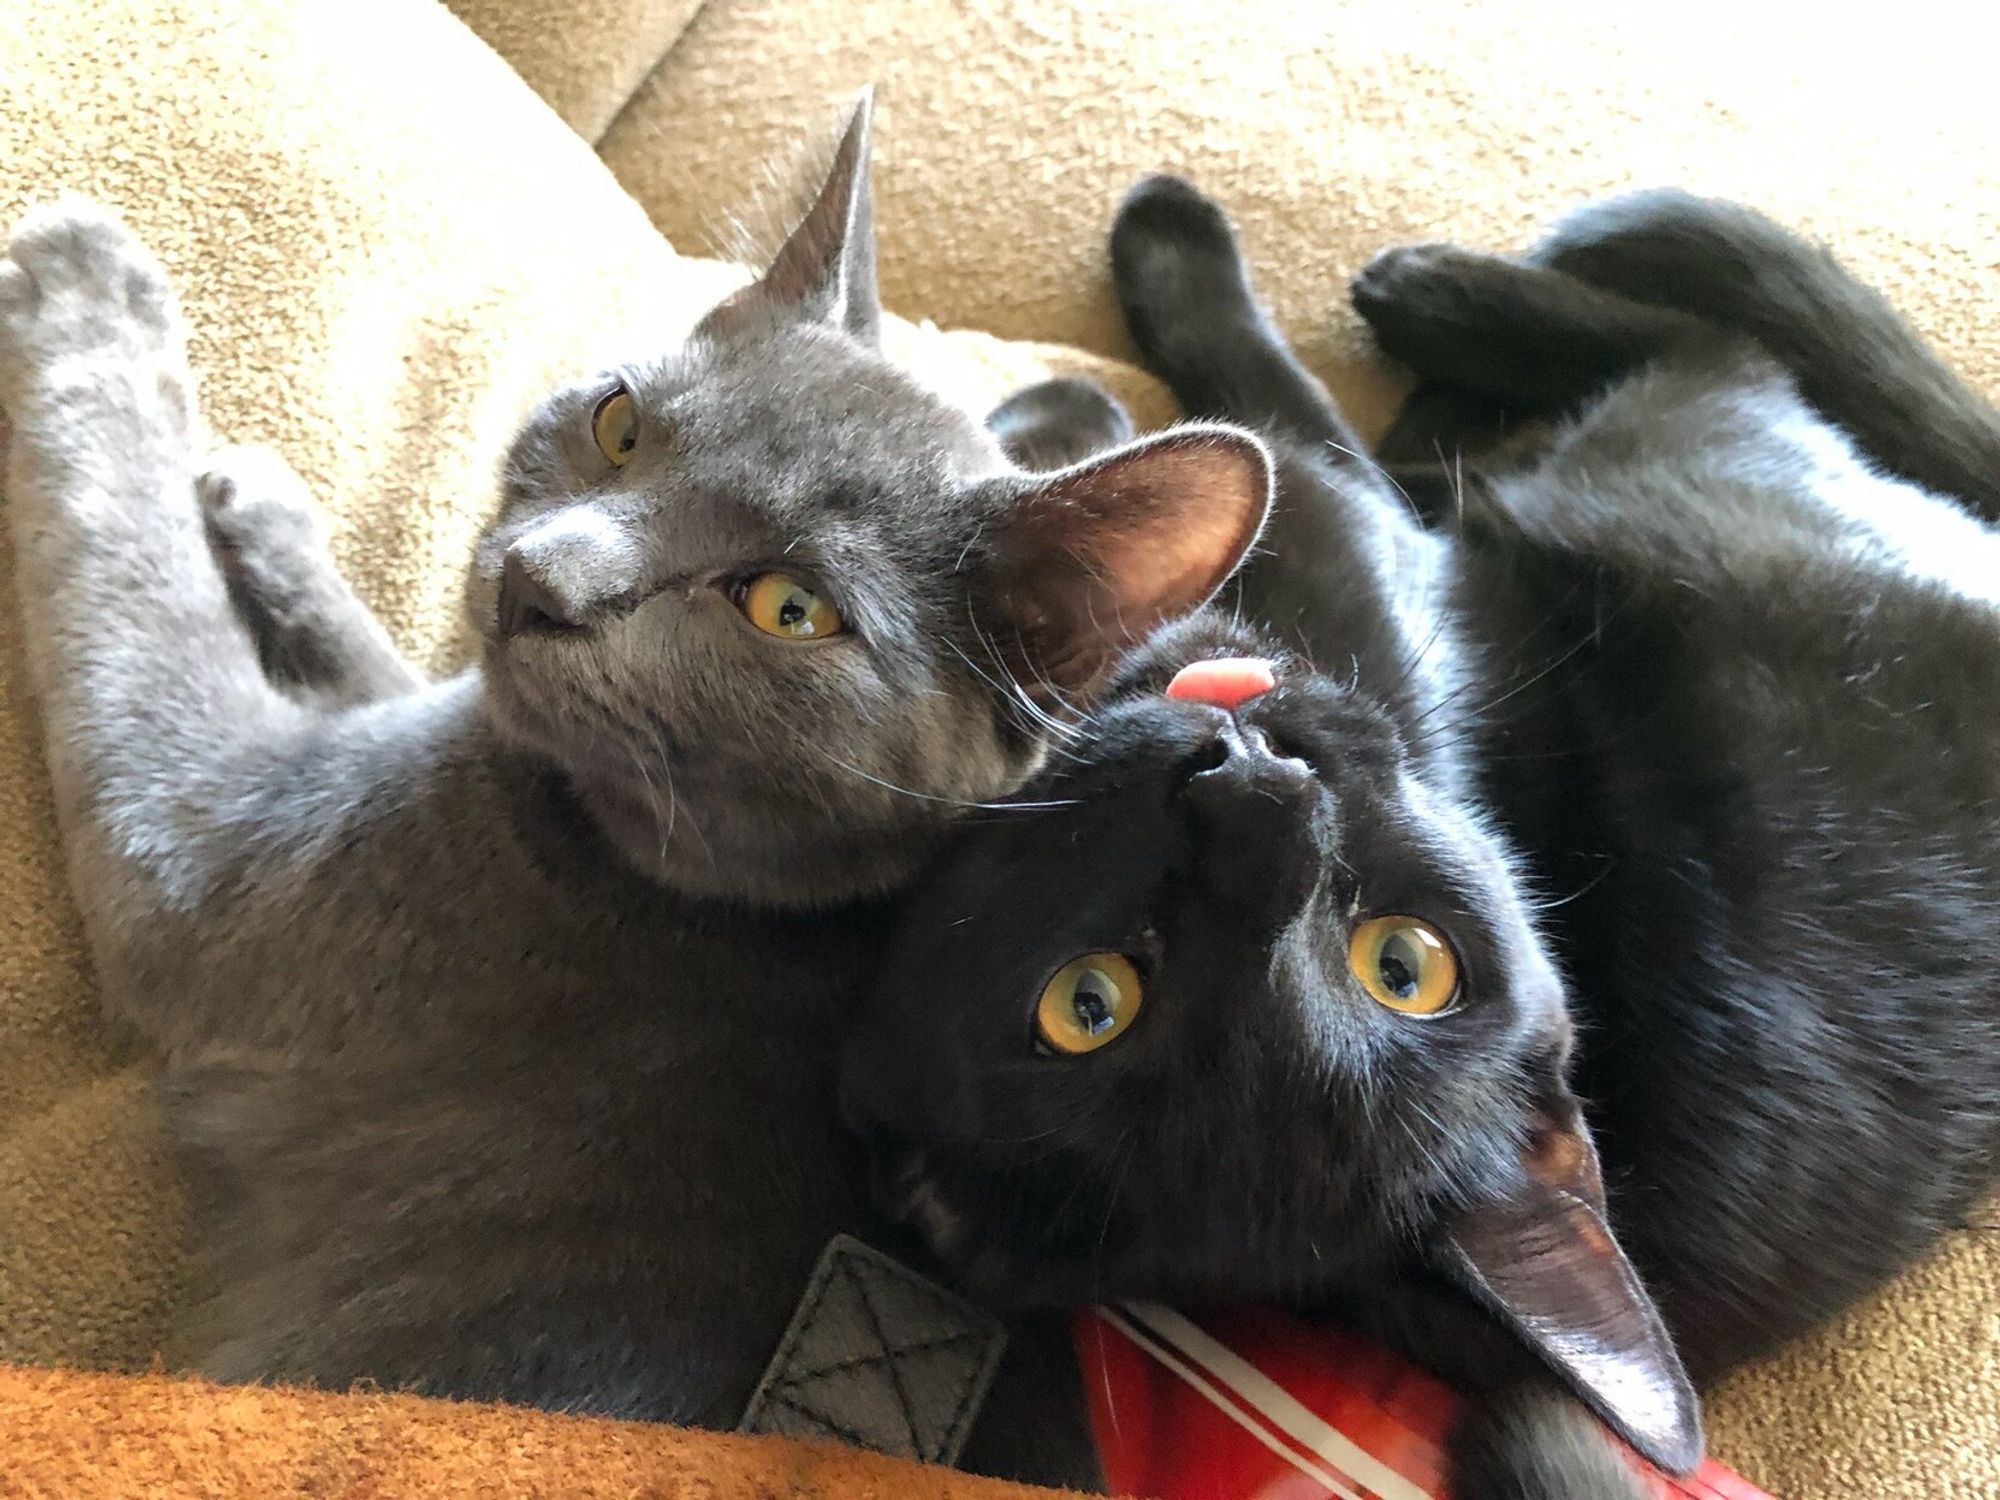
700	851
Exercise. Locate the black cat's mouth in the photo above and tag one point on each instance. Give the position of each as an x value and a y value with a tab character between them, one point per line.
910	1193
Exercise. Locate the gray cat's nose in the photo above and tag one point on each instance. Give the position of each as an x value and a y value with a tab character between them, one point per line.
575	570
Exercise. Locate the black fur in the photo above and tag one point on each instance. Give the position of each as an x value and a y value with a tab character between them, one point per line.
1684	728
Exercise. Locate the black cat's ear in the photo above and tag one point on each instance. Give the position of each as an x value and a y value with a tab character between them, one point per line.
1543	1261
825	270
1093	557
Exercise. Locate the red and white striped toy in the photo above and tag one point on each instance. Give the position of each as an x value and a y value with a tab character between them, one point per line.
1254	1404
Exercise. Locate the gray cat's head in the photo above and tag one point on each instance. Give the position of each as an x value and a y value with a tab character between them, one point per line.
779	610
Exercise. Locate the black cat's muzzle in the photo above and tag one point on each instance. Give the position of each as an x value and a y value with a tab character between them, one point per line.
1261	819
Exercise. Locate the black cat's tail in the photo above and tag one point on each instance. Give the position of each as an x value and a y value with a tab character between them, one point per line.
1852	354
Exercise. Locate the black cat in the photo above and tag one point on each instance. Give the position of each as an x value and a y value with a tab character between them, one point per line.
1639	812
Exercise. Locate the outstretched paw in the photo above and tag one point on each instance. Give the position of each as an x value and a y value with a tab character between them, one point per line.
76	281
263	529
1175	262
1420	300
84	309
256	508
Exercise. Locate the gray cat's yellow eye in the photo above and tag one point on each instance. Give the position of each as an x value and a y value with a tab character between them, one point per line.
1090	1002
615	425
778	604
1404	964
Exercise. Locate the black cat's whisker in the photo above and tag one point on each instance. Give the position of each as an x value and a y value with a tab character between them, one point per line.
1031	724
1124	1155
1372	465
1467	726
1579	893
1515	691
1010	689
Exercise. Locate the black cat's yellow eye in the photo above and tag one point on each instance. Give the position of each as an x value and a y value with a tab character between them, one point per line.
1404	964
778	604
615	425
1090	1002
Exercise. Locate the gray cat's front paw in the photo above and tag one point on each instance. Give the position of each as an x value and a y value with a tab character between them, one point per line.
263	526
84	307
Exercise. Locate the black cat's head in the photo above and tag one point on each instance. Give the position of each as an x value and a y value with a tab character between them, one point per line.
1240	1005
778	609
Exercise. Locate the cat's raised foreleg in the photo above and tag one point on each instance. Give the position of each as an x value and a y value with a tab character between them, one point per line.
314	638
155	710
1510	332
1187	300
1852	355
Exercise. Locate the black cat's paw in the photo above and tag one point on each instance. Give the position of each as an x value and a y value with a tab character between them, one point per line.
1175	263
1420	299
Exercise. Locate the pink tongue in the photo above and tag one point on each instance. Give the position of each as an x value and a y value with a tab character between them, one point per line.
1226	683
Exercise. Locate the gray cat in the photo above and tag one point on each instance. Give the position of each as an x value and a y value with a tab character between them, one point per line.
499	1012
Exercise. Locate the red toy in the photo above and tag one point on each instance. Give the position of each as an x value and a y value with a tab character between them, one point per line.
1255	1404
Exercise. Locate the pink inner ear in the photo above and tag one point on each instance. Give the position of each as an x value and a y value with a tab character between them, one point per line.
1227	682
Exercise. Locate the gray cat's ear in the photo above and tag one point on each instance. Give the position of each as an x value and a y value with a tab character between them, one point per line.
1543	1261
825	271
1093	557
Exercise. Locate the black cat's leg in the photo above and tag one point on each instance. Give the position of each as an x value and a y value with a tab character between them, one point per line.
1187	298
1519	334
312	635
1055	423
1034	1427
1520	1434
1852	354
1189	305
1438	422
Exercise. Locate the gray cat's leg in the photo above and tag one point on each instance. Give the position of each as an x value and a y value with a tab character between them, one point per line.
1059	422
1853	356
156	713
312	635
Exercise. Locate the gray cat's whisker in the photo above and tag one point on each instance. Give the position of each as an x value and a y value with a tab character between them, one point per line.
1016	695
946	801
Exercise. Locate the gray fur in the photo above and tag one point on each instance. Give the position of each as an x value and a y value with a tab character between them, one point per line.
499	1011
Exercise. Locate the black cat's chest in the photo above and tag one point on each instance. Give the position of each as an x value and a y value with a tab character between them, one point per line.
1758	800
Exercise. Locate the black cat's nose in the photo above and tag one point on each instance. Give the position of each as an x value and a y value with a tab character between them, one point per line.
1238	763
1260	819
574	570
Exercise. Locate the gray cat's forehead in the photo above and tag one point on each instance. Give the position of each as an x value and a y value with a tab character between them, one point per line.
818	411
